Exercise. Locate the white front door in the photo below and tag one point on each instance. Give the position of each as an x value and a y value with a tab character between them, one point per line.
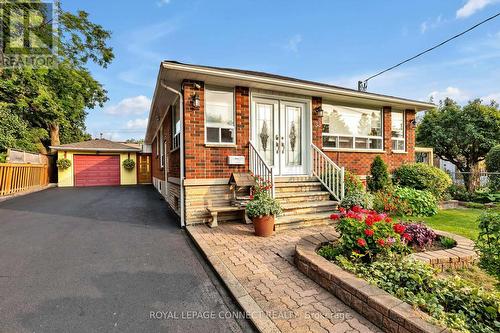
279	134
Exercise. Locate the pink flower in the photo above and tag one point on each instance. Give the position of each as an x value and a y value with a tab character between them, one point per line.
361	242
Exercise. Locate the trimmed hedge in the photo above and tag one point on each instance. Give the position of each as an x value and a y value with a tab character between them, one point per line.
421	176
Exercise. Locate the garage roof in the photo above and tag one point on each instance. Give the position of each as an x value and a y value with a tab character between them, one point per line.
97	145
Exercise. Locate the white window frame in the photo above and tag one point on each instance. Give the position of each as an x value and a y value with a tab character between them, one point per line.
162	149
354	137
403	139
176	136
233	127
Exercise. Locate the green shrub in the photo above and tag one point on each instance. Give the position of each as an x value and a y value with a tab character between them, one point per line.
352	183
63	163
378	179
357	198
452	302
419	203
447	242
493	165
128	164
386	201
459	192
485	195
488	242
355	193
474	205
421	176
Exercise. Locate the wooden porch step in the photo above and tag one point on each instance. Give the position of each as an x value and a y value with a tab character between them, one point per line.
297	208
303	220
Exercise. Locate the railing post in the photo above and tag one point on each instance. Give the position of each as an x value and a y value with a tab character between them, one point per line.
342	193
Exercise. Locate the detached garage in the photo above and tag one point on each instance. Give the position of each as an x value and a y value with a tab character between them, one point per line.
96	163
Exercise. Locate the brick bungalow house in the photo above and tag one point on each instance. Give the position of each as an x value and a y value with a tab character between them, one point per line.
207	122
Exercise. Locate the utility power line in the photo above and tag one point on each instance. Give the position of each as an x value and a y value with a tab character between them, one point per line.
362	85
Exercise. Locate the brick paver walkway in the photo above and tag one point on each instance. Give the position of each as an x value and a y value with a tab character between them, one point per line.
265	269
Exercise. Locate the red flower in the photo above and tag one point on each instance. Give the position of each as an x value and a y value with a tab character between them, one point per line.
361	242
388	220
342	210
380	242
407	237
251	196
369	232
335	216
399	228
369	220
357	209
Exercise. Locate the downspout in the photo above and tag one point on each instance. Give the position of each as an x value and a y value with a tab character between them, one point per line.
181	112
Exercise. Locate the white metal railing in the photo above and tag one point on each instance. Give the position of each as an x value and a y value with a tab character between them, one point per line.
328	173
260	169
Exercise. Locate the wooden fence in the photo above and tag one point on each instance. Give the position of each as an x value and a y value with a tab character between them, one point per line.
15	178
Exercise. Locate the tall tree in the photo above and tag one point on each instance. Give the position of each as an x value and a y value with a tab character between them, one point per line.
462	135
56	99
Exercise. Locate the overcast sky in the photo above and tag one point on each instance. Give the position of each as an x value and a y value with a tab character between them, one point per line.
338	42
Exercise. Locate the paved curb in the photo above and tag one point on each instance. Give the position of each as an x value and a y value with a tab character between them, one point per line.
378	306
21	194
255	313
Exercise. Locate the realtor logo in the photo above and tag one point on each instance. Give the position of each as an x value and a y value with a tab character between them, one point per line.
29	33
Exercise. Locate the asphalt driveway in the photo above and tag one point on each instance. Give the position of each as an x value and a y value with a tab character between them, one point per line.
110	259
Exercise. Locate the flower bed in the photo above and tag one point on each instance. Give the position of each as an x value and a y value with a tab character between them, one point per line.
375	248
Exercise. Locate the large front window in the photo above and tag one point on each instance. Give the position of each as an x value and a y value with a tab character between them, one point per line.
219	115
398	130
346	127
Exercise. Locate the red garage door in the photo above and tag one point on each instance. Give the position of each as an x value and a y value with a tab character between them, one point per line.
96	170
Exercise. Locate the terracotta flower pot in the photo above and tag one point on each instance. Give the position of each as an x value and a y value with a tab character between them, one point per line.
263	225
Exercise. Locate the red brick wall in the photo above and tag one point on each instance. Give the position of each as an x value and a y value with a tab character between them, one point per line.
211	162
157	171
359	162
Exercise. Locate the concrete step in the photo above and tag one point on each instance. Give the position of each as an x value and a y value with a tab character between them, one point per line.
298	187
294	179
286	197
297	208
302	221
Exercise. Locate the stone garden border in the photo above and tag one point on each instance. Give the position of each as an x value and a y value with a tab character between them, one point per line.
378	306
460	256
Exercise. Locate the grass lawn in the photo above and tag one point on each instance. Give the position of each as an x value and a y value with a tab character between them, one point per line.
458	221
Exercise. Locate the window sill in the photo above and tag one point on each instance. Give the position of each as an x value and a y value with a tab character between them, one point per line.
220	145
175	149
399	152
349	150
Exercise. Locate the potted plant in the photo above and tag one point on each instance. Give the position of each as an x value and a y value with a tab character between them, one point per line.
262	209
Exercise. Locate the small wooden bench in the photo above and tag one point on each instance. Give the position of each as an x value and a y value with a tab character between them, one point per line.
214	212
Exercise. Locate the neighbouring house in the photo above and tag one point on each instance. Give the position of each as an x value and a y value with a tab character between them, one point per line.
207	122
100	163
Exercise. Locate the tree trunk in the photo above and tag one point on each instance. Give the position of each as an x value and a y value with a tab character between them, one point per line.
54	135
471	177
474	179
